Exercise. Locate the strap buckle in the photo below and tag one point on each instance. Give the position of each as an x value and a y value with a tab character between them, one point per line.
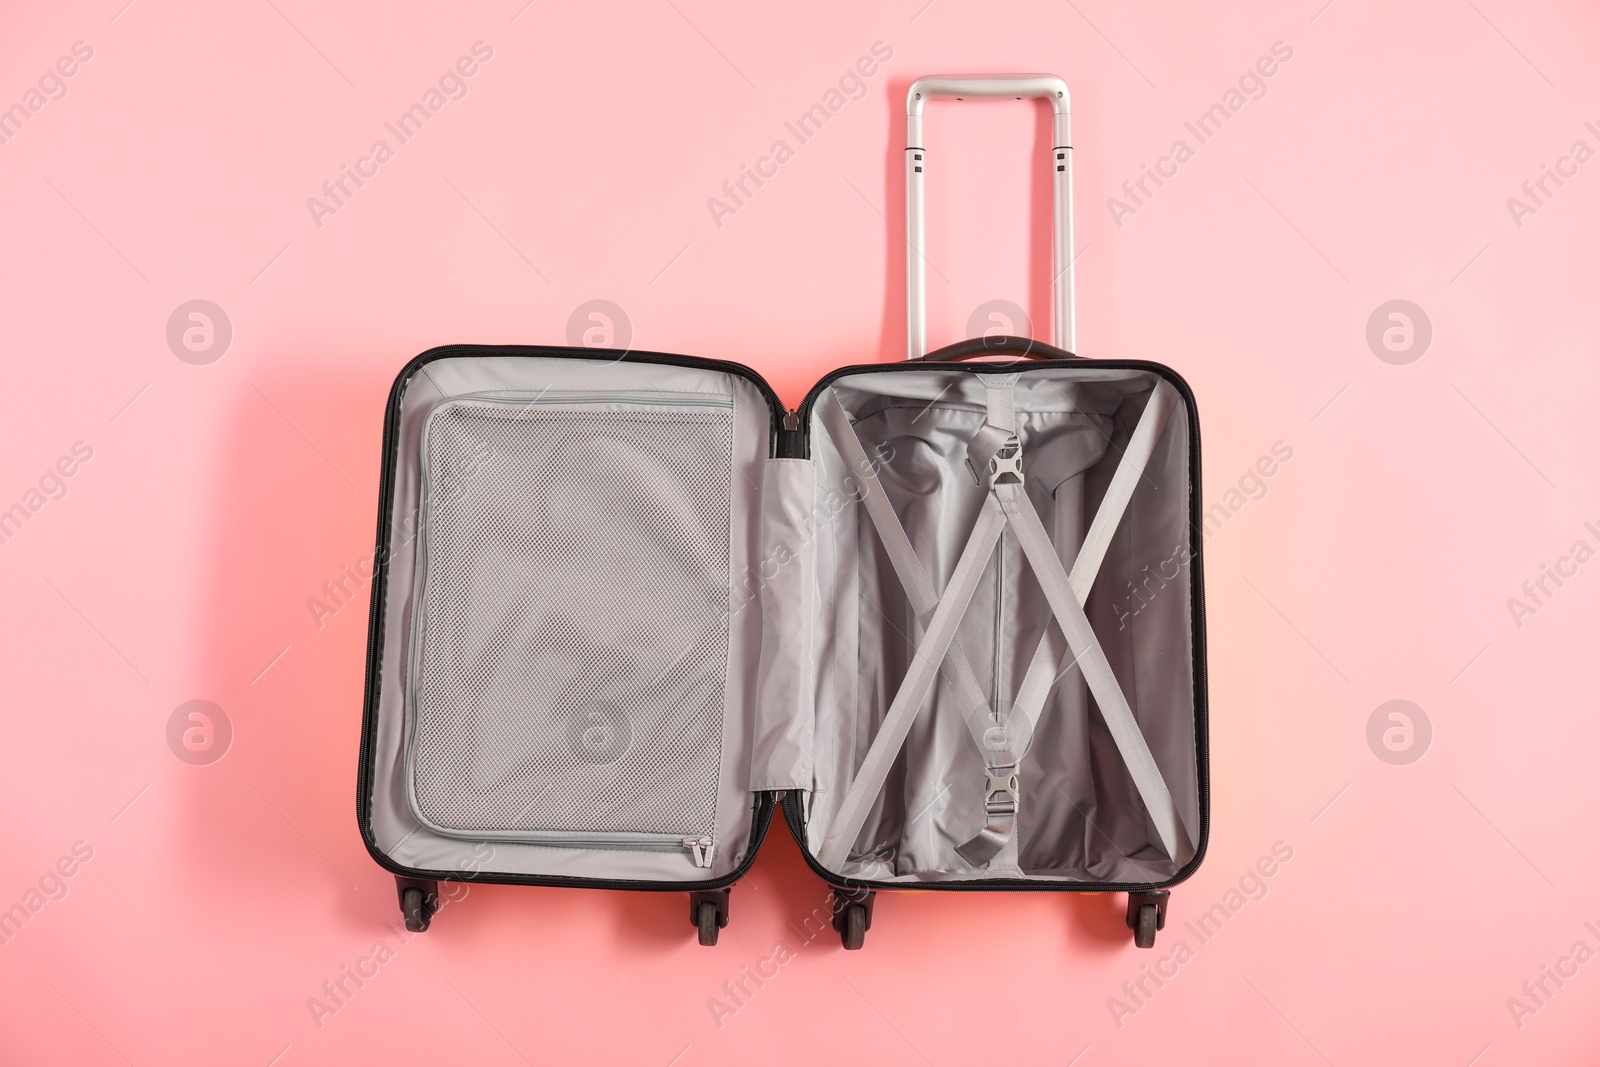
1002	792
1005	466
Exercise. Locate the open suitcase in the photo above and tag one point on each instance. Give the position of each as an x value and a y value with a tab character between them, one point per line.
947	615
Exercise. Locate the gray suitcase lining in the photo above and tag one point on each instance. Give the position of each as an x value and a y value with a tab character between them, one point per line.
583	679
564	689
1080	818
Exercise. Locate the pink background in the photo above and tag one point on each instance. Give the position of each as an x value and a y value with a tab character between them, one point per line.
220	497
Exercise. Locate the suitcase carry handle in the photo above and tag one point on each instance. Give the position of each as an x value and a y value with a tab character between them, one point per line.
995	345
1018	86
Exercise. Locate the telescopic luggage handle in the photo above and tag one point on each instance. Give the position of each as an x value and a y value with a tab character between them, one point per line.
1018	86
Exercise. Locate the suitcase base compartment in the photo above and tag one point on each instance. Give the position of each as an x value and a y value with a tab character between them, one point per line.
1080	819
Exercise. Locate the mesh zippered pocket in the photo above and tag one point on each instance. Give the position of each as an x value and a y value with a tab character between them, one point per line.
570	637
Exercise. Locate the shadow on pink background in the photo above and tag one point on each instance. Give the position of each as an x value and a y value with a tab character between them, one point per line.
1376	564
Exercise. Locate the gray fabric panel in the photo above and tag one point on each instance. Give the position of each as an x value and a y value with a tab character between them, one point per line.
395	827
785	708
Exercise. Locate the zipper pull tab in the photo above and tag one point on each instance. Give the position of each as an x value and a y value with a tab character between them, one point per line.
700	848
791	439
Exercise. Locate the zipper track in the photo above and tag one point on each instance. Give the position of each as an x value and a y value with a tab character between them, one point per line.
699	846
763	806
582	397
698	842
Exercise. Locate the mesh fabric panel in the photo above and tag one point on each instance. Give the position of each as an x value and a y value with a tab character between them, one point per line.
573	637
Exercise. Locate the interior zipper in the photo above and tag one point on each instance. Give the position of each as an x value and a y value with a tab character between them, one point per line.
584	396
700	848
1002	681
791	438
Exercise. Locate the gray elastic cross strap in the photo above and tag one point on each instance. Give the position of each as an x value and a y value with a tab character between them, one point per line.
914	687
1000	747
1096	668
1049	658
996	448
1067	595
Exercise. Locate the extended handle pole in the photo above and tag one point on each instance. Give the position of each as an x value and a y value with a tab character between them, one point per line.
1018	86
